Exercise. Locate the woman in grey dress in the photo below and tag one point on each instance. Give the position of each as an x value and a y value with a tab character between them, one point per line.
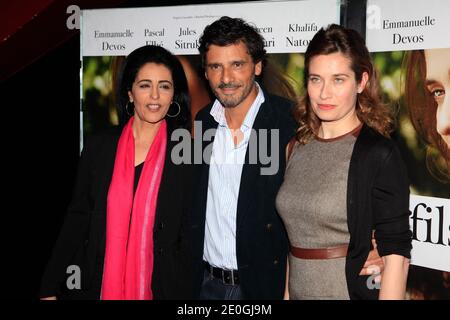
345	179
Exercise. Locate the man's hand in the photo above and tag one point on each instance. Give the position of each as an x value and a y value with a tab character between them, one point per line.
374	264
49	298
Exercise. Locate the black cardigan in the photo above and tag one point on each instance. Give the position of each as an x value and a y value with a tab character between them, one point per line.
377	199
82	238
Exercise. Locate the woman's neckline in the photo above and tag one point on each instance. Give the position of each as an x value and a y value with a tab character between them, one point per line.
139	165
354	132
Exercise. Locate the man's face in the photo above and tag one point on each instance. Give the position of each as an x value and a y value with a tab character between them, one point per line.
231	74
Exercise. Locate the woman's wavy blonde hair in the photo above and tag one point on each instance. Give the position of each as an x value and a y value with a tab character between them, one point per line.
369	107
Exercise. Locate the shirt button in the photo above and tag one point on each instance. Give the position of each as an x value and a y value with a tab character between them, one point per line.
269	226
161	225
160	251
275	262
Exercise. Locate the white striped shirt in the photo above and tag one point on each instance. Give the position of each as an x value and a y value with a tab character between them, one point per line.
223	187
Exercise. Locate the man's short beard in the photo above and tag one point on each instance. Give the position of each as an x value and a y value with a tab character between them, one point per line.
234	104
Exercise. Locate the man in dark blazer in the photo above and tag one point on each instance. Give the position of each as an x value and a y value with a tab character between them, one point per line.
238	240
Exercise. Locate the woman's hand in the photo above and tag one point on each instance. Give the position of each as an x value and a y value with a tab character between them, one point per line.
393	286
286	288
374	264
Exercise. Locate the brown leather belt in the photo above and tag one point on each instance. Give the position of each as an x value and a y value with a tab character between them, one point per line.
322	253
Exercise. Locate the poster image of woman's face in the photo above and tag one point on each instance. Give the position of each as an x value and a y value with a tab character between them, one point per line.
427	88
438	84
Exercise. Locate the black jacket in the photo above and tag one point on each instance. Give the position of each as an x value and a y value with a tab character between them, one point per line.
83	236
377	199
261	240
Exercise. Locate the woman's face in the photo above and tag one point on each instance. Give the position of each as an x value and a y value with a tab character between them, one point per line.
438	84
152	92
332	88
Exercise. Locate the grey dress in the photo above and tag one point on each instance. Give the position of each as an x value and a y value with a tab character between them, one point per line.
312	203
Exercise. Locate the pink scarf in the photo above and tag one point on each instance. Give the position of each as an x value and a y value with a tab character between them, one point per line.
128	268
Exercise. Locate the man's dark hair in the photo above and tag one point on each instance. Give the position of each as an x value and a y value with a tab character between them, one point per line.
227	31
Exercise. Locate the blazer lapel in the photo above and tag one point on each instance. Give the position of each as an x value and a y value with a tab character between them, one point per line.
251	172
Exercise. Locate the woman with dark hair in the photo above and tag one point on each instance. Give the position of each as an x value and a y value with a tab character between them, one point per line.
345	179
426	91
123	229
